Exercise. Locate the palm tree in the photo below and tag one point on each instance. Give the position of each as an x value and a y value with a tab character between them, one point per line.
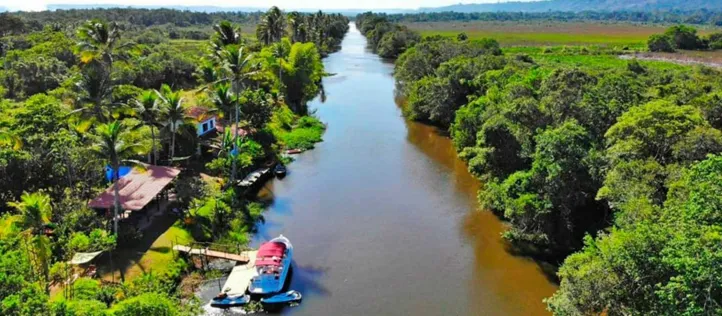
173	113
223	98
95	90
297	27
35	212
97	41
238	68
97	46
147	107
110	144
226	34
272	26
279	52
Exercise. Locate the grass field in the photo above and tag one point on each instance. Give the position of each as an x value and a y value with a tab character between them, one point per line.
572	57
152	253
546	34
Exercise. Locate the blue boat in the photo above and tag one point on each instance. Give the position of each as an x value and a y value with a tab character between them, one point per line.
222	301
288	297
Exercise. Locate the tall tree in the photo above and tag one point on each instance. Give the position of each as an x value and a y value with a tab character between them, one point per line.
173	114
223	98
111	145
147	107
225	34
35	212
297	27
236	65
97	41
272	26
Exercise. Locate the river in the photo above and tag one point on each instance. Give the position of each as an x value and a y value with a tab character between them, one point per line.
382	213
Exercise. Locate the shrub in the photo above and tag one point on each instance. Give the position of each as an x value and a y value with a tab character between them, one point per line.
146	304
86	289
660	43
684	37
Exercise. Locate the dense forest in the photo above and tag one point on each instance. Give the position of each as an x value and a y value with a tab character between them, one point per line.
614	168
85	93
703	17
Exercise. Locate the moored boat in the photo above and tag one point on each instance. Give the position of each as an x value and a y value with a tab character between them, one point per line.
287	297
280	170
226	301
273	262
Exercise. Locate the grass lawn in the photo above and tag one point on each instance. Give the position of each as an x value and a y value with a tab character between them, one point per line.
152	253
547	34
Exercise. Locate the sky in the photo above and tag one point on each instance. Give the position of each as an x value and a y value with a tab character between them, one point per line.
38	5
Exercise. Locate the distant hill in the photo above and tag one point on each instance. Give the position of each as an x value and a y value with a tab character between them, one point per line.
583	5
211	9
53	7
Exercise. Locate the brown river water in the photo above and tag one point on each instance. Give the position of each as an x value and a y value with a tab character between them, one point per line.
383	215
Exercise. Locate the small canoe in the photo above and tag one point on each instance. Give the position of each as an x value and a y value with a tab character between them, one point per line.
294	151
288	297
230	301
280	170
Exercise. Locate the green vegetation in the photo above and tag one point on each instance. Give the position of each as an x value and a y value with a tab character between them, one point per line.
683	37
670	11
542	34
122	89
603	160
387	39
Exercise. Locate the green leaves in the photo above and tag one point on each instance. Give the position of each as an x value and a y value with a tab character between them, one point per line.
666	263
651	130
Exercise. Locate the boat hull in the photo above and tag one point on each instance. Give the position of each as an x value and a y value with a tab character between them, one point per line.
282	298
262	283
231	301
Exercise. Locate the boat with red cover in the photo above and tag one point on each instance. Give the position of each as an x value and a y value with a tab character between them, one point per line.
273	263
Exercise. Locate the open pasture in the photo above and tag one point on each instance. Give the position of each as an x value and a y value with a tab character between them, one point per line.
546	34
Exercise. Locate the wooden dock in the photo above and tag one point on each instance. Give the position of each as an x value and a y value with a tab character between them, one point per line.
240	277
243	257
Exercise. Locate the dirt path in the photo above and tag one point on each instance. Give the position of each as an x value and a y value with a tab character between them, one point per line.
709	59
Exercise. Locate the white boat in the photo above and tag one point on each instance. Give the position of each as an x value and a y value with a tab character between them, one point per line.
272	265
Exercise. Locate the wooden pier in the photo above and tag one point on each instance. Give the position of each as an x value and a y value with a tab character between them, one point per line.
240	277
243	257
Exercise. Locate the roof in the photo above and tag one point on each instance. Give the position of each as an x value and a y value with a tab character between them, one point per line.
137	188
200	113
84	257
220	126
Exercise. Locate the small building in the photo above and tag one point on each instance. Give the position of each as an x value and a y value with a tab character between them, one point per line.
137	190
205	120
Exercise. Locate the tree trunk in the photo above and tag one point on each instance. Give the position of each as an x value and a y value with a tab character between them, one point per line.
116	195
235	140
172	147
153	150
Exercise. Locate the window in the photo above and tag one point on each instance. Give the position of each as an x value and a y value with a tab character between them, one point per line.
205	127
